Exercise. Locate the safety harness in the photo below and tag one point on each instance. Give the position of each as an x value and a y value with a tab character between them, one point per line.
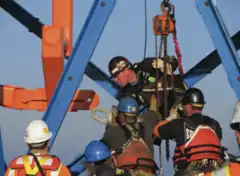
126	159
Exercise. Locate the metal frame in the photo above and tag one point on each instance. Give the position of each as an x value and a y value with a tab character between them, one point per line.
87	42
77	63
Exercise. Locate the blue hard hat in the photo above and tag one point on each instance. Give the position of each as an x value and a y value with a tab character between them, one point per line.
128	105
96	151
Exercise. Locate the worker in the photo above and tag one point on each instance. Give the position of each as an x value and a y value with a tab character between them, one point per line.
38	161
98	159
139	79
232	169
126	141
198	137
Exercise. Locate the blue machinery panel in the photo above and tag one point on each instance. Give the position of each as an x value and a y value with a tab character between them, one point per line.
221	41
87	42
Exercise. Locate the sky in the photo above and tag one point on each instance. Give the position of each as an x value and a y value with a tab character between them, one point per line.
123	35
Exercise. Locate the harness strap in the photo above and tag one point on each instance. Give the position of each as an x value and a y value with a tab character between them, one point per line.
36	168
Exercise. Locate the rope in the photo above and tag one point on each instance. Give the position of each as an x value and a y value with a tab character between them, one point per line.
178	53
158	55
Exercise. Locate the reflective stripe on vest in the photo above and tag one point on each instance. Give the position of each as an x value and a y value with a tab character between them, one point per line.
11	172
34	171
221	172
28	168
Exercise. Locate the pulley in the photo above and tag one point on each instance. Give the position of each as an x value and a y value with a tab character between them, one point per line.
164	24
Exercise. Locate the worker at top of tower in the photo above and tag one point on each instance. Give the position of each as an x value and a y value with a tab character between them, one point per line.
126	139
139	79
198	137
38	161
98	159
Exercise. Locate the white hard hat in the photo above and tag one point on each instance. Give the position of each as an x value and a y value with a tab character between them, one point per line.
236	117
37	132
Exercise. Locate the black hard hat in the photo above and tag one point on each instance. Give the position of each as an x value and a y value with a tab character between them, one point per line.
118	64
193	96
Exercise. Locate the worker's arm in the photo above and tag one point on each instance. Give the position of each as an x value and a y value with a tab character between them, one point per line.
167	129
150	64
218	129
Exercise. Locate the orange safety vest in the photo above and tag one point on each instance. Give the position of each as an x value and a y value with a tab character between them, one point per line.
231	170
25	164
135	155
203	144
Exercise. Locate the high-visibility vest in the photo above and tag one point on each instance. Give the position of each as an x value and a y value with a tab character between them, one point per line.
25	164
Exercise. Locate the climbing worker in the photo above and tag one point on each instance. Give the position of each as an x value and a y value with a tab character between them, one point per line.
98	159
38	161
233	167
139	79
126	141
198	137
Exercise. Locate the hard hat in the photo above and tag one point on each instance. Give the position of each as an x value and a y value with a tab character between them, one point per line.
37	132
128	105
193	96
236	118
118	64
96	151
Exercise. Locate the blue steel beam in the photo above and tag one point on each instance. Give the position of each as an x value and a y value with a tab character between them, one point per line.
221	41
75	67
75	166
2	161
103	80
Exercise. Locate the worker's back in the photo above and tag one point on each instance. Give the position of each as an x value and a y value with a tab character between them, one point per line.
26	165
187	125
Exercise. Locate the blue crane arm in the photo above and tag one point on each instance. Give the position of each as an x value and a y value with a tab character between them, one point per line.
2	160
221	41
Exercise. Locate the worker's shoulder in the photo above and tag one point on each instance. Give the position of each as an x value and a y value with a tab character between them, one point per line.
52	161
207	117
113	129
105	170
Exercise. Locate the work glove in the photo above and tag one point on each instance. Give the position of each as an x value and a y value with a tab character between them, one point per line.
159	64
173	114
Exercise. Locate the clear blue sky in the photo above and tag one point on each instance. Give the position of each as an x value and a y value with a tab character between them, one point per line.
123	35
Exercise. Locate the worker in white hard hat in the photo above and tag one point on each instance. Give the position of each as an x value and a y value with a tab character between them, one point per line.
38	161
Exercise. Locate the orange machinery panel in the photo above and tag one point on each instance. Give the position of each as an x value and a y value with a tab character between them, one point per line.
25	99
52	57
62	16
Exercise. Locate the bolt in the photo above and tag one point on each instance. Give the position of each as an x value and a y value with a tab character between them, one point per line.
102	4
206	3
70	78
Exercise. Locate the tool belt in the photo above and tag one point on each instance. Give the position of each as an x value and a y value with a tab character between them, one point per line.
202	165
